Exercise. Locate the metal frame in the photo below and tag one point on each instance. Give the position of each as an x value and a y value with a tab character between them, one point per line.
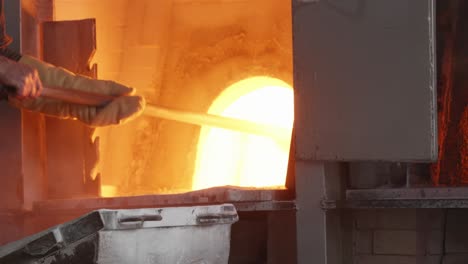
245	199
319	234
435	197
413	203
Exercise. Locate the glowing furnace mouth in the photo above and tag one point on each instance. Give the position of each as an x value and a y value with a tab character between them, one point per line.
226	157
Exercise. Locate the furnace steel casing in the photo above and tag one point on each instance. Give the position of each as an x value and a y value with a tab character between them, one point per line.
365	80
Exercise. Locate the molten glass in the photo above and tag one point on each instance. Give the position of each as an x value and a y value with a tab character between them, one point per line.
226	157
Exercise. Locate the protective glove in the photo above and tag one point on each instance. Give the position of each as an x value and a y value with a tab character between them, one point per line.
122	109
23	77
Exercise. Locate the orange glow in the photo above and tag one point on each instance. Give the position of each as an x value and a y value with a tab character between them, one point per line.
108	191
226	157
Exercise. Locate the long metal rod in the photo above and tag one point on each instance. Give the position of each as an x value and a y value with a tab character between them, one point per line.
276	132
280	134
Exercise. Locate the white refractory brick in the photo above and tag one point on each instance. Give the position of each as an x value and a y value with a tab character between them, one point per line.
401	219
436	259
397	219
434	242
409	219
396	242
387	259
365	219
455	259
456	240
434	218
363	242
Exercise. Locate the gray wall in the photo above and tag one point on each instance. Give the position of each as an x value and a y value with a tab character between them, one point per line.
10	129
12	13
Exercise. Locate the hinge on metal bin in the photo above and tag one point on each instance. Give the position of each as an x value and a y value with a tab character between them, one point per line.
308	1
227	215
137	221
210	219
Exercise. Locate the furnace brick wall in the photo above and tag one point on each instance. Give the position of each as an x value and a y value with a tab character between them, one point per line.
410	236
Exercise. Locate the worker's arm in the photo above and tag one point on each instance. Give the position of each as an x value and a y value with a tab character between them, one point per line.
20	76
25	77
124	107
